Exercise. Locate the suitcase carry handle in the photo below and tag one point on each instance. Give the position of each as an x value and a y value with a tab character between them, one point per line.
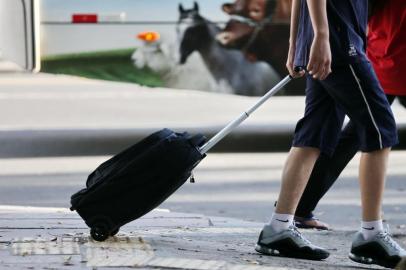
232	125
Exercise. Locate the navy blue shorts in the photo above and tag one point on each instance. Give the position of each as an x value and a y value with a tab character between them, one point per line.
352	90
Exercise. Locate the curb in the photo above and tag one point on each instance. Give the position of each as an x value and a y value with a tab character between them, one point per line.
89	142
77	142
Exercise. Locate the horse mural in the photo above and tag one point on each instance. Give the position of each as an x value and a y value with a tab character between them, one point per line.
263	38
227	66
262	41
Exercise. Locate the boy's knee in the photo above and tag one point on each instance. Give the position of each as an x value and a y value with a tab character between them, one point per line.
378	152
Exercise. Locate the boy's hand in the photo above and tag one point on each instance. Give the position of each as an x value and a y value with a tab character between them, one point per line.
320	58
289	63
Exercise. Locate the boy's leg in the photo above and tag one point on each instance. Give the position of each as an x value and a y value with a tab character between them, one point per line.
372	174
357	90
374	245
372	171
326	171
280	236
295	175
310	137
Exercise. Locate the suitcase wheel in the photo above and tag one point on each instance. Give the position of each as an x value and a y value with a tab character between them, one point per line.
99	233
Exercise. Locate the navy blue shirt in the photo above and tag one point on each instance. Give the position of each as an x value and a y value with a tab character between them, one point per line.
347	25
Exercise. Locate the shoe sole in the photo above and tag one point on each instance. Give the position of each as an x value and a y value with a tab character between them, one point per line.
367	260
290	254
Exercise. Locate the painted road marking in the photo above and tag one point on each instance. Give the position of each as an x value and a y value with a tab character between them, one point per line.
42	246
176	263
119	252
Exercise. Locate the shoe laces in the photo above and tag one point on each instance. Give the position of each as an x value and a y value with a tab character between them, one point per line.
298	234
387	238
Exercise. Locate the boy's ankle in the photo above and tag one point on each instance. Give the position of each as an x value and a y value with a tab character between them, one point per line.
280	222
371	228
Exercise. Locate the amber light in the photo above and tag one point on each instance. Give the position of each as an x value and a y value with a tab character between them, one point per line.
149	36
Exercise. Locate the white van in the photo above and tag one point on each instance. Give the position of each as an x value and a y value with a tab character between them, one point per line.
82	25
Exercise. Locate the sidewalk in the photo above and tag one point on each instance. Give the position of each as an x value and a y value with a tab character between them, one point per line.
55	238
54	115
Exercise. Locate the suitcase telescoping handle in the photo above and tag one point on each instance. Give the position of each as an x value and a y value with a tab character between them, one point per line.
232	125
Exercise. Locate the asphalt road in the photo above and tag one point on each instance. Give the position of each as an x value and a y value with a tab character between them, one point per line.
242	186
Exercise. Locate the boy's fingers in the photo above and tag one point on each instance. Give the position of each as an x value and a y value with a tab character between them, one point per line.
326	70
298	74
289	67
318	70
323	74
314	67
310	67
315	71
292	71
320	73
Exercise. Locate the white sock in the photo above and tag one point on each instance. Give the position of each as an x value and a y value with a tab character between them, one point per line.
371	228
280	222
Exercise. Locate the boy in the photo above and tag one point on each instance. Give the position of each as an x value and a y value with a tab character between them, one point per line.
328	38
387	52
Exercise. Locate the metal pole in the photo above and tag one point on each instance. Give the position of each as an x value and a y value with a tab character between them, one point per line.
232	125
25	33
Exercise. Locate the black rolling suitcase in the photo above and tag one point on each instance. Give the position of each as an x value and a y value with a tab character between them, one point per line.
141	177
136	181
